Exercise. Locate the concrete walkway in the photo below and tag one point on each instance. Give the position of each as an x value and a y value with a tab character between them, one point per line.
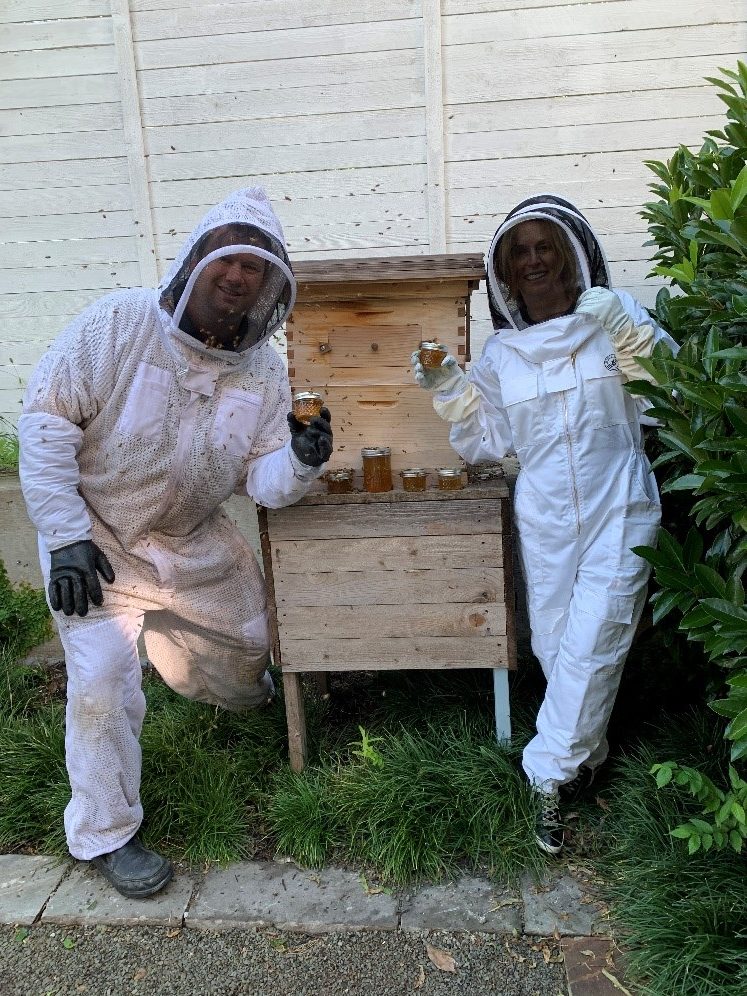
279	894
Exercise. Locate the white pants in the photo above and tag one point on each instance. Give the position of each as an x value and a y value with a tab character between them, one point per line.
585	596
106	707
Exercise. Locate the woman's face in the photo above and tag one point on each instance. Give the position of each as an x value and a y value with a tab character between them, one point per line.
535	264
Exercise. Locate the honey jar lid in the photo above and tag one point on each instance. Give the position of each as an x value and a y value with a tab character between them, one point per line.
412	472
306	395
431	344
376	451
342	474
449	471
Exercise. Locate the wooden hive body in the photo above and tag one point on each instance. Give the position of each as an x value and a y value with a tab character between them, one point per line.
351	334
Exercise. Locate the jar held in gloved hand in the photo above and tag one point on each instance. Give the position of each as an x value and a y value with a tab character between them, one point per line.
73	577
312	443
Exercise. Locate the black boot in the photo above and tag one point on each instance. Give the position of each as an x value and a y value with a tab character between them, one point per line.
576	788
133	870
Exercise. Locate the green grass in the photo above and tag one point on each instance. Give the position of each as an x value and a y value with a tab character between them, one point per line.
683	919
8	451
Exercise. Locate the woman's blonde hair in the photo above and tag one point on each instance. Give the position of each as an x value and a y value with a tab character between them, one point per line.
557	239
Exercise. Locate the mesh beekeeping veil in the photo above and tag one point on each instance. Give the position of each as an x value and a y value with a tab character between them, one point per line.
254	229
591	264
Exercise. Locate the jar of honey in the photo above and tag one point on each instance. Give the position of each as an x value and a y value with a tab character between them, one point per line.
450	478
307	404
377	468
432	354
339	482
413	479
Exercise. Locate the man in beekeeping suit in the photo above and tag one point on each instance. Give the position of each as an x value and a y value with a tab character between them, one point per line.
144	416
549	387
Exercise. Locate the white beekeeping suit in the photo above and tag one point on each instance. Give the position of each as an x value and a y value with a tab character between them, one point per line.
133	435
553	394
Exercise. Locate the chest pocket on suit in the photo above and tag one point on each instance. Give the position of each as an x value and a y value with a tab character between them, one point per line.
520	401
235	422
145	409
607	401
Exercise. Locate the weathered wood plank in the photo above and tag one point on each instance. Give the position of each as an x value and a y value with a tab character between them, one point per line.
72	32
166	19
374	654
51	62
368	587
457	268
67	252
345	622
386	553
97	276
542	21
60	90
270	46
415	518
39	10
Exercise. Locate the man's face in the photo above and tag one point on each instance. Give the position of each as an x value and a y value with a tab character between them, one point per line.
534	262
228	287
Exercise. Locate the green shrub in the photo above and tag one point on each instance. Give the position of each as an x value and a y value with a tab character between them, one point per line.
699	225
25	620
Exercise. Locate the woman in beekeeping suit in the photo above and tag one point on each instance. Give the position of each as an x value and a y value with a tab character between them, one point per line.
149	411
550	388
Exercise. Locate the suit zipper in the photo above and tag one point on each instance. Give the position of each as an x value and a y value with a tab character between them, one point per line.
571	466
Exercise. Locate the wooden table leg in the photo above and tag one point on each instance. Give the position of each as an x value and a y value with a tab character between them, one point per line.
296	717
502	705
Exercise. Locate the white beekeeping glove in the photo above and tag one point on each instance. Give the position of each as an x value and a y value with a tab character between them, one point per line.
454	396
630	340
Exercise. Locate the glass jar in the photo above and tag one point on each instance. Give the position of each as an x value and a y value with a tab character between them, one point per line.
450	478
432	354
413	479
339	482
377	469
307	404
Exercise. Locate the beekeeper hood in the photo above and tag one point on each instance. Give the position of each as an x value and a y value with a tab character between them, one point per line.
255	229
591	265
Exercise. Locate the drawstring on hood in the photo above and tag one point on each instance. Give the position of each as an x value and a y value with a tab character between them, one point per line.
591	263
245	211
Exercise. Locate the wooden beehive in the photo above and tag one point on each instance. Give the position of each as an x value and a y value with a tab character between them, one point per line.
401	579
351	334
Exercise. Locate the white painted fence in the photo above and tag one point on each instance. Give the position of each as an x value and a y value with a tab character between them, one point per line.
378	127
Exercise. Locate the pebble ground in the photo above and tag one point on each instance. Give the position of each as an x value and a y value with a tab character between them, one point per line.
46	960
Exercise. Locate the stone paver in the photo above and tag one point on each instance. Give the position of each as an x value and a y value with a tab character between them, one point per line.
468	904
26	883
268	893
559	905
85	897
590	966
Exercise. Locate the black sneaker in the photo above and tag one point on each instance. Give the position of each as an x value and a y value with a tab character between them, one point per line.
548	830
571	792
133	870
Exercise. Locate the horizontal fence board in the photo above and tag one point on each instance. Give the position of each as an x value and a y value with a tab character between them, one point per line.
522	143
478	6
541	21
289	44
370	587
152	19
426	518
74	173
404	92
40	10
265	132
393	553
52	62
296	158
350	621
376	654
45	304
46	201
60	91
322	183
62	146
236	78
45	121
97	276
67	252
469	80
63	227
72	32
499	115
